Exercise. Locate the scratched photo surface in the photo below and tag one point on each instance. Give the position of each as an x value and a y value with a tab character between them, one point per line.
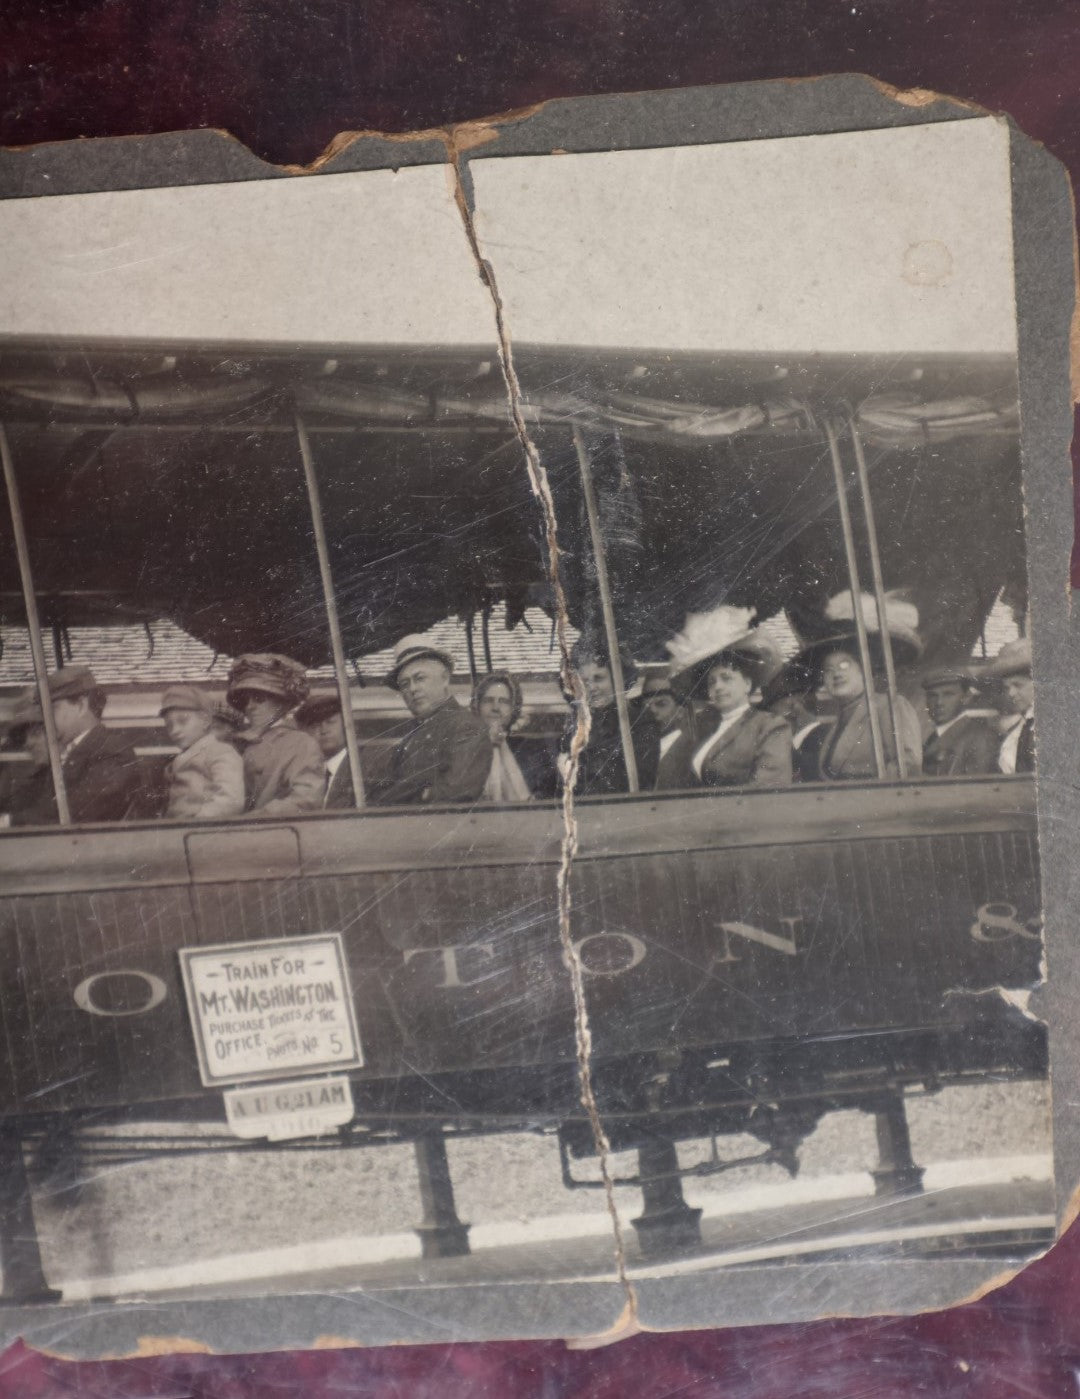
517	723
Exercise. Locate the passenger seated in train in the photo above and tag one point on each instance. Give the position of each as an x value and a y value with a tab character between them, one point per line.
846	751
445	755
738	744
205	781
27	795
283	768
960	743
1012	666
103	778
601	767
674	727
521	768
804	716
320	716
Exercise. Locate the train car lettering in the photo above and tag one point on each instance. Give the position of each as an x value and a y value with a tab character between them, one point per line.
451	965
610	953
997	922
105	994
774	941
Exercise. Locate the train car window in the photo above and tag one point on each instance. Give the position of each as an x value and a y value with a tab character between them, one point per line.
775	572
306	523
768	572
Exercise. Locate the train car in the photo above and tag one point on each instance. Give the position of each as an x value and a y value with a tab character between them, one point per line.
629	970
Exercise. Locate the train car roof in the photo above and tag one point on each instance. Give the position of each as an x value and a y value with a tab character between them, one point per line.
161	480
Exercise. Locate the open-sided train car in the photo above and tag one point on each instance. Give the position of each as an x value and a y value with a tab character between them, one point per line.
747	961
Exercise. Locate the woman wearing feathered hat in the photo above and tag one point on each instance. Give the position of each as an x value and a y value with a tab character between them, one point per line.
832	663
718	654
283	767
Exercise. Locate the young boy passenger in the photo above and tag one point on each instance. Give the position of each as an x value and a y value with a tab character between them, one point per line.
206	778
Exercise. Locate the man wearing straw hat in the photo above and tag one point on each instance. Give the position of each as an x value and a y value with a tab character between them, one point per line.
445	755
1012	666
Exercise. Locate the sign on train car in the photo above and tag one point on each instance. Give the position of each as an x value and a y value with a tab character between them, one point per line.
699	923
262	1010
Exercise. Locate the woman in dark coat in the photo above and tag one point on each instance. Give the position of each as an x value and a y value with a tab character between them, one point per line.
601	769
737	744
845	751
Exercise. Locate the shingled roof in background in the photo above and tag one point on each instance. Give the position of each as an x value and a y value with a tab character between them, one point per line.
162	652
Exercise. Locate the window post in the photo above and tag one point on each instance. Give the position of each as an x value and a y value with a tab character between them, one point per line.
608	611
33	626
856	591
879	590
352	747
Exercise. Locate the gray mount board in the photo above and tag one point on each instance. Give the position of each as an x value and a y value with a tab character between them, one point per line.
1043	252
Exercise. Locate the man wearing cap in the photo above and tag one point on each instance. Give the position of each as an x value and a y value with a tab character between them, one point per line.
206	778
320	716
102	776
445	755
1012	666
675	724
283	768
961	744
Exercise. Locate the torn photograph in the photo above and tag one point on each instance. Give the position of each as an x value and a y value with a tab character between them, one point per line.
518	731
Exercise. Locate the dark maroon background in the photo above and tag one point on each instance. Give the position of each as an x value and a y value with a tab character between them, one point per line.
285	77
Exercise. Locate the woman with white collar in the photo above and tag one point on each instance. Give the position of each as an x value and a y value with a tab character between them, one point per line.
737	744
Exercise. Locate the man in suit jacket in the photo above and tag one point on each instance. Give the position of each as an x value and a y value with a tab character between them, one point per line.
960	744
1012	665
320	716
445	755
102	776
673	732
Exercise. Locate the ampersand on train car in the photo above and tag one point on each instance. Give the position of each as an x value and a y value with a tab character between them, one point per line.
997	922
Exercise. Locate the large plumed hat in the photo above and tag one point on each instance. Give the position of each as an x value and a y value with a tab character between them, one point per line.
1014	658
265	673
711	638
901	624
415	648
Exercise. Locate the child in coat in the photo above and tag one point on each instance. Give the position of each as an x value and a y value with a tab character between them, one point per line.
206	778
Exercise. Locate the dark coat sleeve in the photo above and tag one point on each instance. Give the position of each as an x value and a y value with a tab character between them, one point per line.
673	771
446	758
465	760
538	759
103	777
339	796
30	801
772	761
979	753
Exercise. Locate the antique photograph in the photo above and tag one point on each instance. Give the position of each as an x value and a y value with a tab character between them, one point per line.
517	724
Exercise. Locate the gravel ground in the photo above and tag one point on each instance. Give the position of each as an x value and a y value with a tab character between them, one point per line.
122	1218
